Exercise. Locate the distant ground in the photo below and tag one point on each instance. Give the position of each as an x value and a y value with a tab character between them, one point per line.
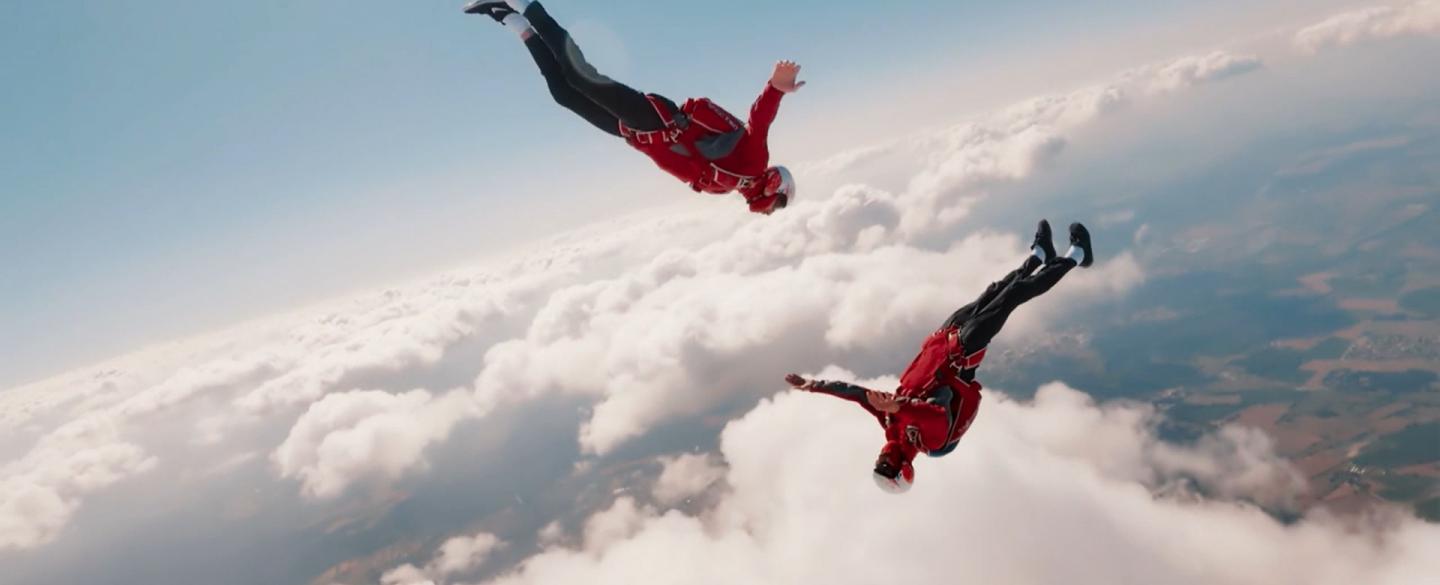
1309	308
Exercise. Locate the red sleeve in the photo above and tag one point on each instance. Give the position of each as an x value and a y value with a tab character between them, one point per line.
764	111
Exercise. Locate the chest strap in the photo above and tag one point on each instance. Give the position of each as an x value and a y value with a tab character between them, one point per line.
743	183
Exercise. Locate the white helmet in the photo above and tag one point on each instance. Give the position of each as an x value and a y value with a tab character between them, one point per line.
899	485
779	181
892	473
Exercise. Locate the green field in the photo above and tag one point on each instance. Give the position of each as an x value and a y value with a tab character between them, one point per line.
1413	445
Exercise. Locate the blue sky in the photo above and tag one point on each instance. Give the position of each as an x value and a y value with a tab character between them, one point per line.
171	166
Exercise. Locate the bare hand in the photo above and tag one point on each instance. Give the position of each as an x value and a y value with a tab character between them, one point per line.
783	78
797	381
883	401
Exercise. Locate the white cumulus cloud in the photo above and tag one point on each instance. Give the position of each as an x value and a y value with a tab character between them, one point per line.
1371	24
686	476
349	436
464	553
40	491
1198	69
1058	490
457	555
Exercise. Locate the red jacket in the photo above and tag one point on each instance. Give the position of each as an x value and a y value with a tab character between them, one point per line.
924	424
709	148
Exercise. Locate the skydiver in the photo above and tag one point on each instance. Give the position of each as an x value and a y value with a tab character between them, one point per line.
938	396
699	143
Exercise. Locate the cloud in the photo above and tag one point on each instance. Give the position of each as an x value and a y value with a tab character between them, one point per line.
42	490
293	359
1119	439
686	476
275	366
345	437
1142	235
406	575
1371	24
551	534
1198	69
394	329
458	555
614	524
285	360
964	162
464	553
1317	162
1057	490
1115	218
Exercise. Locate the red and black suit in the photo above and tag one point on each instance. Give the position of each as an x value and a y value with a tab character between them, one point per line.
699	143
938	395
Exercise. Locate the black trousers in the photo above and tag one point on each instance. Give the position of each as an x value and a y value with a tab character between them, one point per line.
979	321
576	85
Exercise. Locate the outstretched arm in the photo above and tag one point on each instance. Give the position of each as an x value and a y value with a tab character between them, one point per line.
767	106
857	394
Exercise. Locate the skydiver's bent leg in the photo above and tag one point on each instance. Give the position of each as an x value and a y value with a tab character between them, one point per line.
1041	251
565	94
967	312
977	332
622	101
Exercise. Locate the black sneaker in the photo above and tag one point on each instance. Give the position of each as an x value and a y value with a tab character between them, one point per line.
1042	240
1080	238
496	9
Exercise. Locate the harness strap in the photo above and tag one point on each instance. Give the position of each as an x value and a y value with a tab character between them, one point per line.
971	361
742	182
966	361
669	134
675	124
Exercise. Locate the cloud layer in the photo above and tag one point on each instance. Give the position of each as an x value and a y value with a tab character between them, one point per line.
40	492
1058	490
348	436
686	476
1190	71
1371	24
